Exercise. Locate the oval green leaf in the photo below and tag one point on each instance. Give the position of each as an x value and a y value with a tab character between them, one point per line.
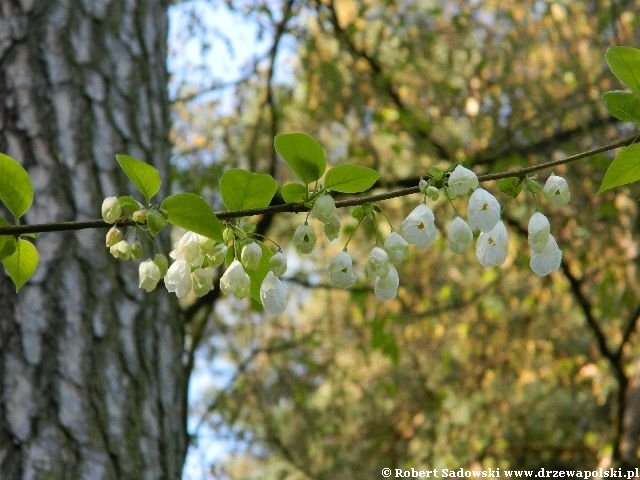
7	242
624	169
350	178
16	191
22	263
145	177
241	190
512	186
293	192
624	106
303	154
189	211
624	62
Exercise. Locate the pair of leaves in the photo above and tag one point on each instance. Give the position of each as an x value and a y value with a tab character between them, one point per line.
624	62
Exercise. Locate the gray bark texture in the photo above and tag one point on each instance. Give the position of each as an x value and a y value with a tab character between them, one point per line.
91	375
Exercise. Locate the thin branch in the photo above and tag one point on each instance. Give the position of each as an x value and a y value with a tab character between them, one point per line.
298	207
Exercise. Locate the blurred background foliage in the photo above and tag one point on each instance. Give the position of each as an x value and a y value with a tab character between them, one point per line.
468	367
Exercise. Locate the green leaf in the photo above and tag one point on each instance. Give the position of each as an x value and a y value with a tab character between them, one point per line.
22	263
129	204
294	192
155	222
16	191
625	64
7	242
624	106
512	186
303	154
350	178
242	190
624	169
188	210
532	184
257	276
145	177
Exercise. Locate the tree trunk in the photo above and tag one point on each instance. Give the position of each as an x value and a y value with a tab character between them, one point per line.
91	369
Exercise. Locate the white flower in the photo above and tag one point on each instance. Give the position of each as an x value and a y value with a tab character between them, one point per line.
491	248
483	210
324	209
111	209
547	260
304	238
557	191
397	248
419	227
378	263
235	280
461	181
202	279
386	287
121	250
149	275
114	235
162	263
278	264
251	256
341	270
332	229
273	294
178	278
460	235
538	230
188	249
216	255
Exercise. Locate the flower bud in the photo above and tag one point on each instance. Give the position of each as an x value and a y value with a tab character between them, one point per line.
332	229
202	280
251	255
136	250
491	247
386	286
378	263
149	274
111	209
324	209
460	235
461	181
304	238
341	270
273	294
121	250
538	230
396	247
557	191
139	216
114	235
235	280
547	260
278	264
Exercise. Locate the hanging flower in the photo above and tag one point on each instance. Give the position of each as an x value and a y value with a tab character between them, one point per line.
202	279
178	278
278	264
121	250
483	210
461	181
324	209
547	260
396	247
341	270
188	249
378	263
304	238
235	280
491	248
556	190
111	209
149	274
538	231
251	255
386	286
332	229
460	235
114	235
273	294
419	227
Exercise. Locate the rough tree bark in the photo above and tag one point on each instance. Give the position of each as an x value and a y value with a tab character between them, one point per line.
92	383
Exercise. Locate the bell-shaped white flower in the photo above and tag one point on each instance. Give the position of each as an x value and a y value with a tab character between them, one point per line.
111	209
538	231
491	248
483	210
162	263
386	287
202	279
332	229
460	236
149	274
121	250
188	249
548	259
341	270
278	264
235	280
396	247
461	181
556	190
215	255
324	208
419	227
304	238
378	264
178	278
251	256
273	294
114	235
